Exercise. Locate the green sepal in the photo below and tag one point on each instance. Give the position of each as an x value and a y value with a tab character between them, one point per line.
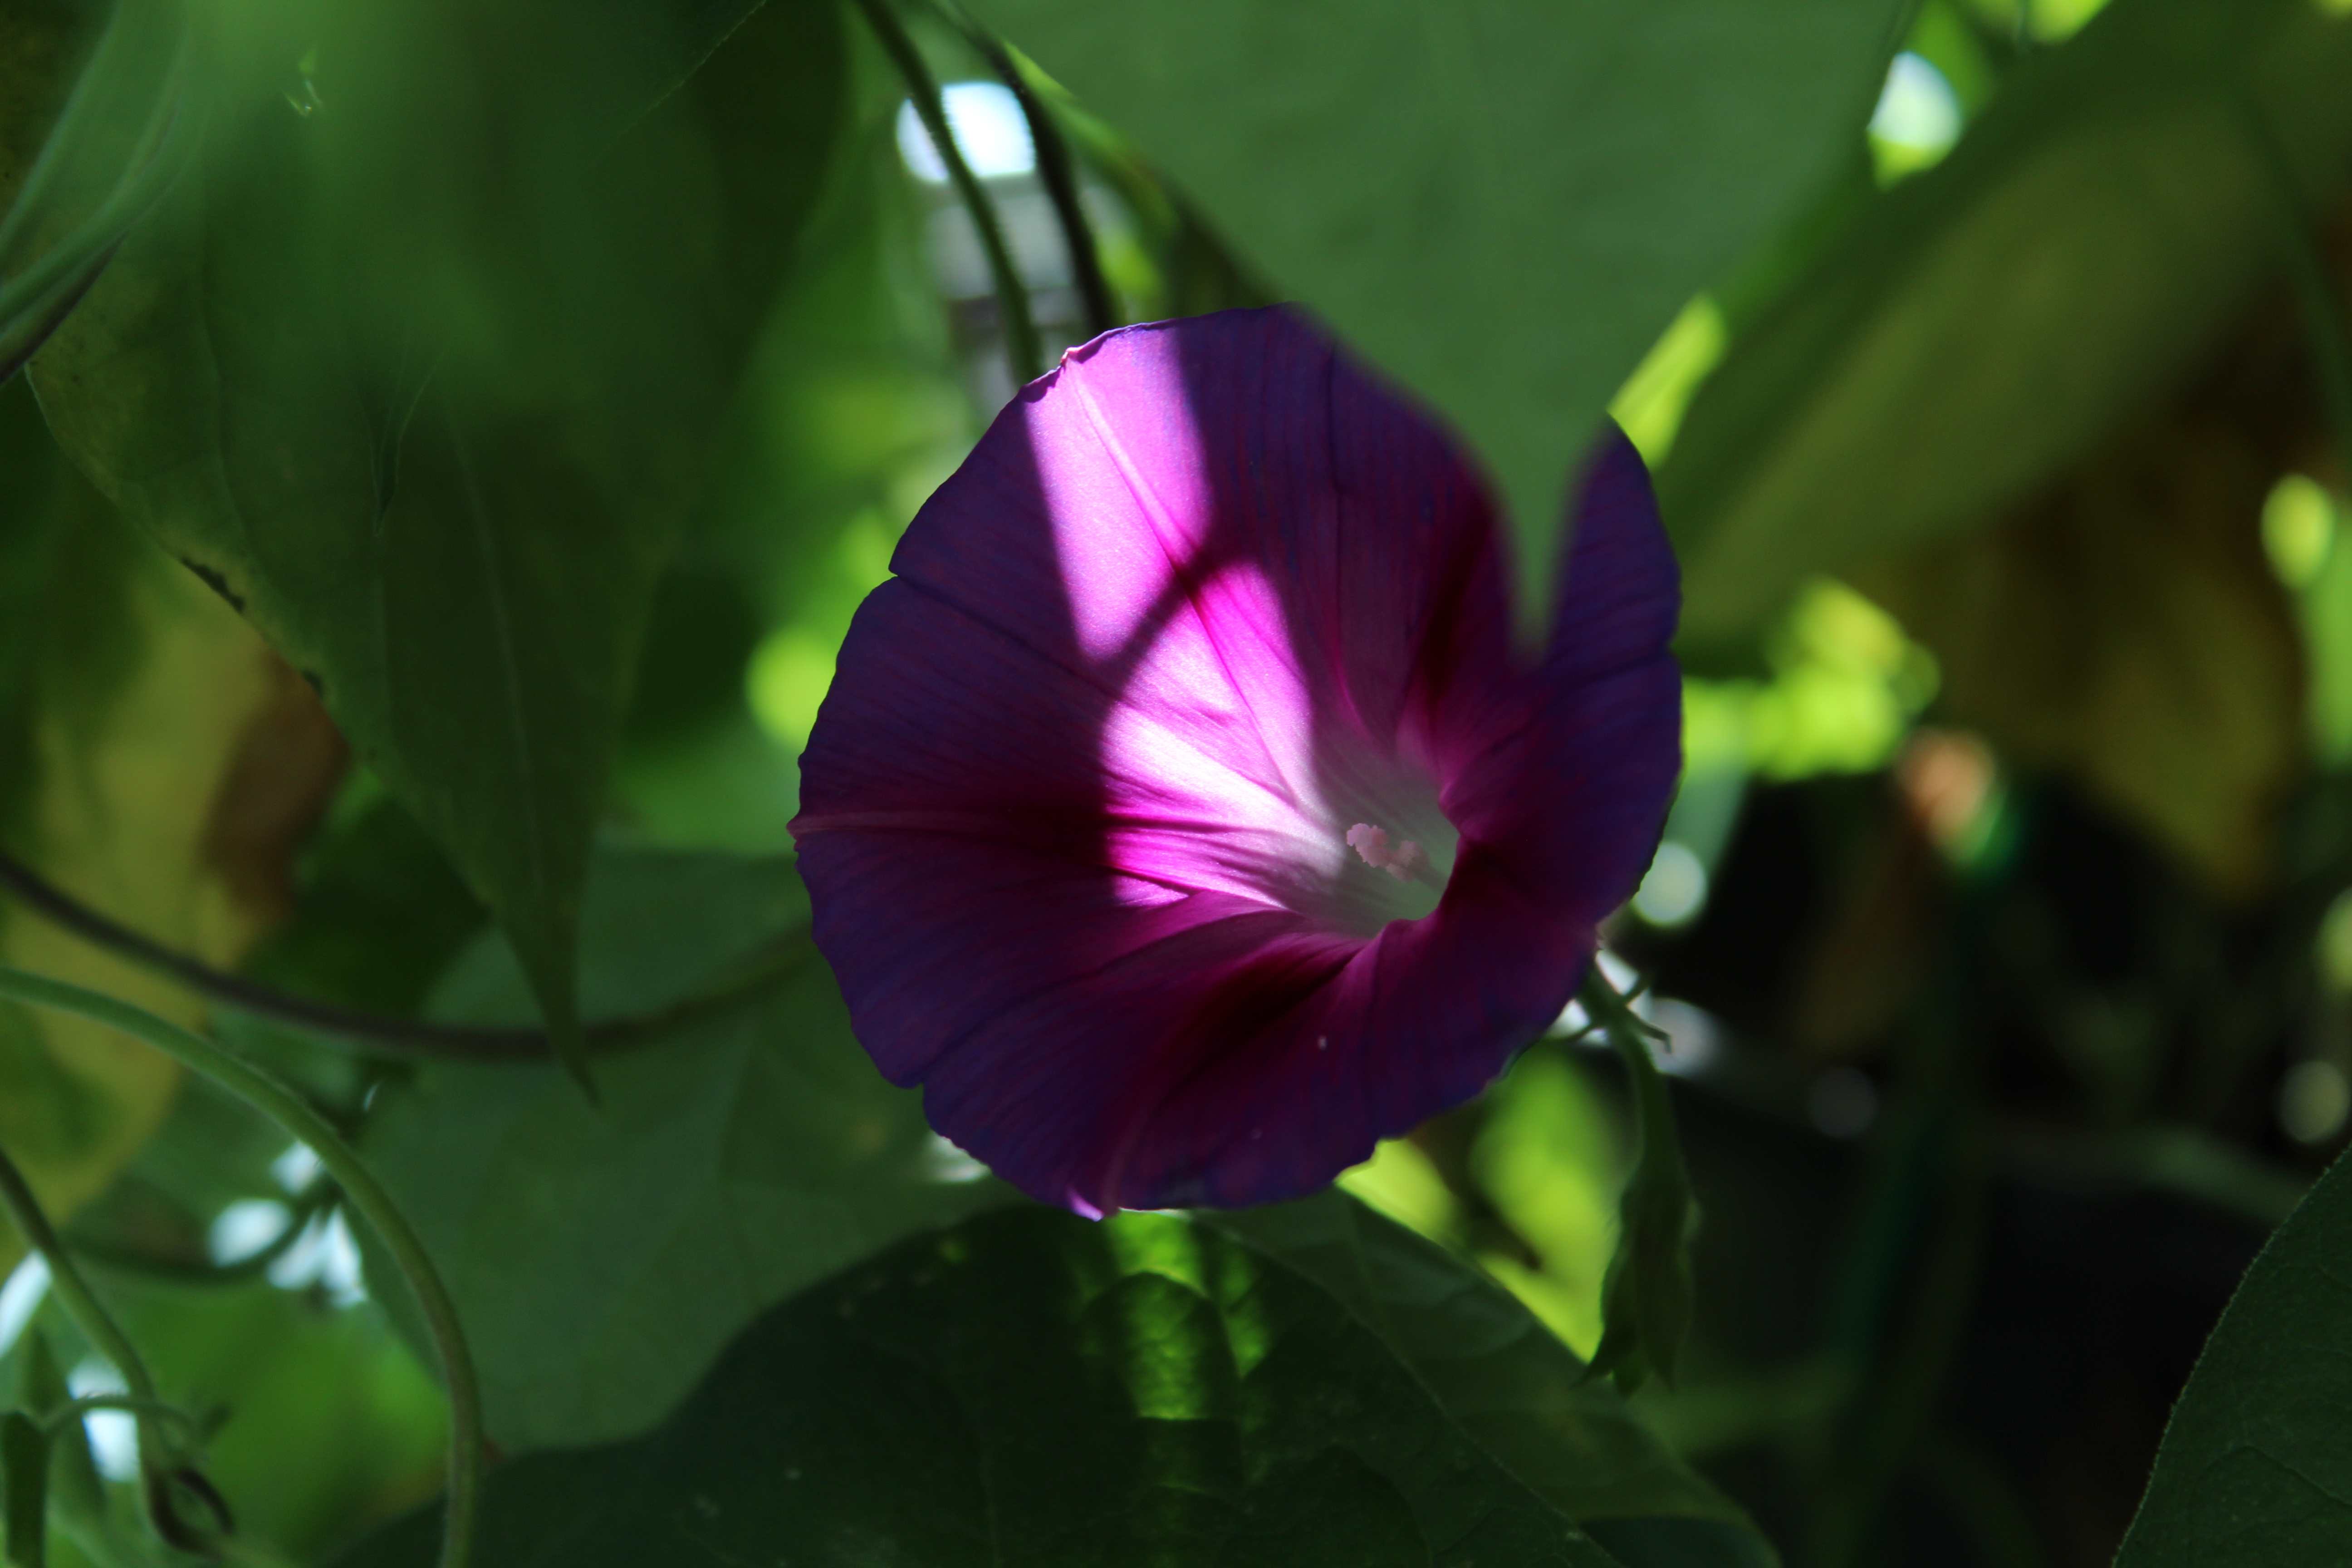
1647	1295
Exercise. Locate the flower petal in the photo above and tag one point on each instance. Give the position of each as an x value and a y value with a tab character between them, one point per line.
1422	1019
1620	590
1577	794
1075	811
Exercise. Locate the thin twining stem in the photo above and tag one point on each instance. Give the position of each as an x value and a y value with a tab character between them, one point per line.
1055	171
74	1410
105	1335
1012	295
305	1210
294	1116
377	1032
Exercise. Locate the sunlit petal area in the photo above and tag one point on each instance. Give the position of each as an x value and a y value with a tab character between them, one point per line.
1033	783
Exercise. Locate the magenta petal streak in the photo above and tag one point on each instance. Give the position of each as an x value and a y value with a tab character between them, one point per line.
1182	817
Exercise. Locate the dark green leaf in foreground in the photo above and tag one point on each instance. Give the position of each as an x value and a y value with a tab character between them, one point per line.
420	365
1030	1388
603	1255
1991	318
1519	1392
1501	202
2256	1466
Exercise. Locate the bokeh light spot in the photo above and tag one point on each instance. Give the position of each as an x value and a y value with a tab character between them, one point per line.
990	131
2313	1101
20	1298
1917	119
1675	888
113	1434
790	672
2298	528
1842	1102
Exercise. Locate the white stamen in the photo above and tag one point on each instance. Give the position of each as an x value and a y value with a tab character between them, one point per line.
1373	847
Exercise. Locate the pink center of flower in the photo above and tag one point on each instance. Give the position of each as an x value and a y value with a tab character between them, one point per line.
1415	869
1401	861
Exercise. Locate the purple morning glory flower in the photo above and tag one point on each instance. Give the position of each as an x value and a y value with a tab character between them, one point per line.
1183	816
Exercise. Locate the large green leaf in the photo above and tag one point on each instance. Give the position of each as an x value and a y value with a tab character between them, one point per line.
603	1255
1989	321
419	368
1502	202
2256	1466
1031	1388
1518	1391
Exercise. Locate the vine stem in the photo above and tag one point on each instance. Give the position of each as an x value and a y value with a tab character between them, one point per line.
294	1116
1647	1294
97	1325
1055	170
417	1038
128	1404
302	1212
1012	295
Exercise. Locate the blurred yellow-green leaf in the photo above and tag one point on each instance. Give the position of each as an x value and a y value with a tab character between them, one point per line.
2127	628
1993	318
160	763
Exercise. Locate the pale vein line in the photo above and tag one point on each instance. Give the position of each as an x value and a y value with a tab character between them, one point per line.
534	832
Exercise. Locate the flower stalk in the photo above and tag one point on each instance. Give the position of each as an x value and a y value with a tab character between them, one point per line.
1647	1295
1057	171
143	1401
